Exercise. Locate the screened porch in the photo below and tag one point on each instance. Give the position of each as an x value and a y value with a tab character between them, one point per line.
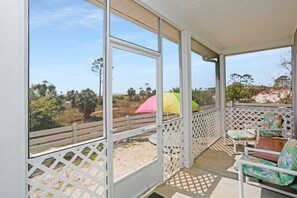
75	74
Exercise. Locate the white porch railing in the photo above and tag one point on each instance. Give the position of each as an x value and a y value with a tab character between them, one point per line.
80	171
173	149
206	129
239	115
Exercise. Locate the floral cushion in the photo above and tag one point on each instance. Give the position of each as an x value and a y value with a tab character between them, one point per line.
288	160
260	173
249	134
272	121
270	133
294	184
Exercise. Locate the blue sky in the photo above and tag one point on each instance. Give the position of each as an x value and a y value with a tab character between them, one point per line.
264	66
66	37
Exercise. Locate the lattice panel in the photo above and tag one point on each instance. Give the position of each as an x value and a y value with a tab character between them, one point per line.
238	117
173	150
206	129
74	172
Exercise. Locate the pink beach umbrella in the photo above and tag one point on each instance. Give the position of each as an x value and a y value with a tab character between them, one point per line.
171	104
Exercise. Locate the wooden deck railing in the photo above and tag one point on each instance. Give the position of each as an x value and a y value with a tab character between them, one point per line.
53	138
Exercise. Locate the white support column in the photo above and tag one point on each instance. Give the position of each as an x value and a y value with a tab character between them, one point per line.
13	101
217	89
107	96
294	86
160	102
222	65
187	96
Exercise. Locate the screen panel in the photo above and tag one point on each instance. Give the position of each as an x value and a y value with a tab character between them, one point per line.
65	72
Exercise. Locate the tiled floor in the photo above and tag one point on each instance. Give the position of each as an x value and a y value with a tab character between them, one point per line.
212	175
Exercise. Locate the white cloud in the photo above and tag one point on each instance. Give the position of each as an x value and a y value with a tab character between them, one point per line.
69	16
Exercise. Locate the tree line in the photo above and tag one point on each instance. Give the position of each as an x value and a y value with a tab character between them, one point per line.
203	97
242	90
45	105
145	92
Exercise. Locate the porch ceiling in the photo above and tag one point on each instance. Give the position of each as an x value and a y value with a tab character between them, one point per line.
232	26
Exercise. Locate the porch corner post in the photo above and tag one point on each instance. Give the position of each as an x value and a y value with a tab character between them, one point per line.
294	86
217	89
222	65
187	96
107	96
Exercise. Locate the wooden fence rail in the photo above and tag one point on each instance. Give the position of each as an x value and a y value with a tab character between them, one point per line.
53	138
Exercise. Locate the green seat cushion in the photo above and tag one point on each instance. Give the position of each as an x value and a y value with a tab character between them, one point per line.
269	133
294	184
288	160
249	134
257	172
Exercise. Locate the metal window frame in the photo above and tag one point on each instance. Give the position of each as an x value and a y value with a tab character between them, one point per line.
115	43
108	44
294	86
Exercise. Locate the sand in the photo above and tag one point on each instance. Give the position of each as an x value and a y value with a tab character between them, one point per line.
127	157
131	156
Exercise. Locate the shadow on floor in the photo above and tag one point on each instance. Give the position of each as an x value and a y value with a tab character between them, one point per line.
211	176
218	159
194	180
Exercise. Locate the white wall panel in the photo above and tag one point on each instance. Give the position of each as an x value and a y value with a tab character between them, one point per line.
12	100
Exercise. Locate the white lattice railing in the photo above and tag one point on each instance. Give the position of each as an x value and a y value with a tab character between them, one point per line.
79	171
238	117
173	150
206	129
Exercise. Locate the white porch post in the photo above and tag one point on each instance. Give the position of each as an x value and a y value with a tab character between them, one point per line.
107	95
187	96
294	86
13	102
217	89
222	65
